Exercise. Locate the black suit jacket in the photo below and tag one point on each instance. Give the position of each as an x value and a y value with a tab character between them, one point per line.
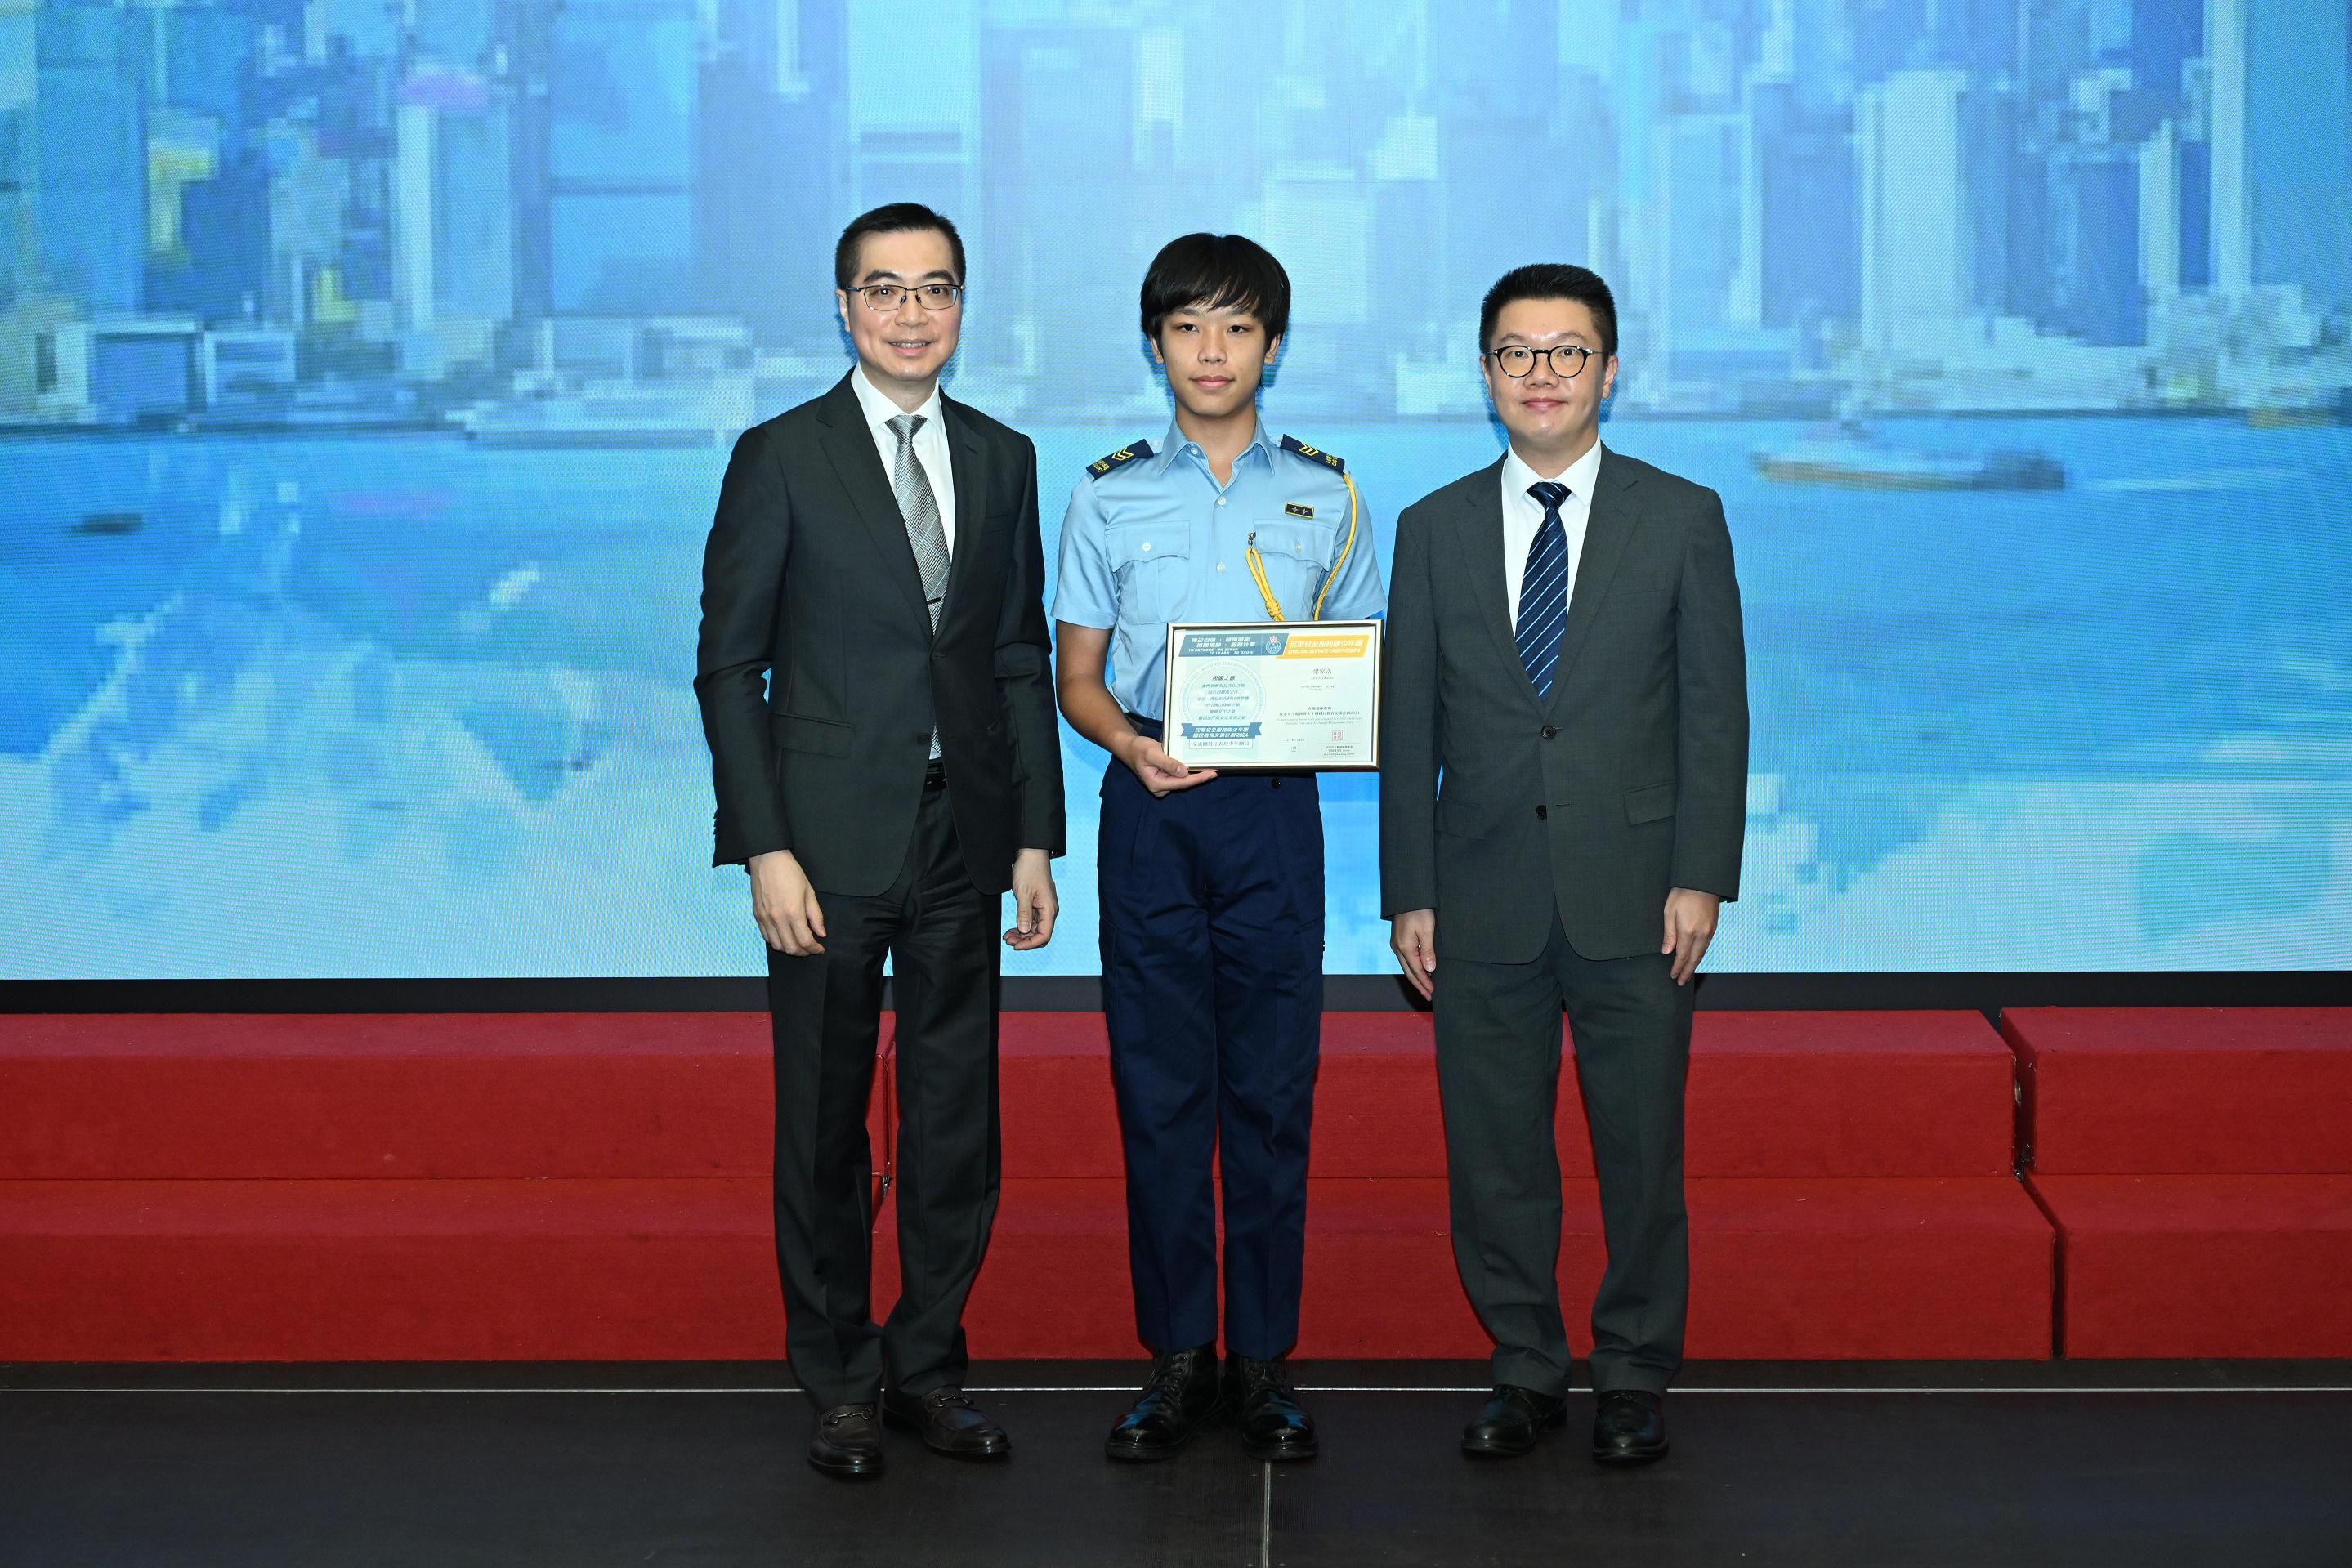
1630	781
820	677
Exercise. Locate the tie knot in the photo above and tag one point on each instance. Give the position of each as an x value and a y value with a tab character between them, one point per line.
904	425
1550	492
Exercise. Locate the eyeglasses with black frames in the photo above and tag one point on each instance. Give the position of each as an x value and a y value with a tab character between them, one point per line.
888	296
1518	361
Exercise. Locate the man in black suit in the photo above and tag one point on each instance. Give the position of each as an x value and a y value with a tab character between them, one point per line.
1563	796
876	690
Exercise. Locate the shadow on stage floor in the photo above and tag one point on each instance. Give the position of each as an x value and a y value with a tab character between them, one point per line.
554	1466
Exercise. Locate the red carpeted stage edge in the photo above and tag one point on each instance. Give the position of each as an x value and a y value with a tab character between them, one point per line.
592	1186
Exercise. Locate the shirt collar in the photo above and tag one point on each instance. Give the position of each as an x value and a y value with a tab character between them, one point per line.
1579	478
880	411
1179	441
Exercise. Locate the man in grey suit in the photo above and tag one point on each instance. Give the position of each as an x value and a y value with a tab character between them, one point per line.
1563	788
876	689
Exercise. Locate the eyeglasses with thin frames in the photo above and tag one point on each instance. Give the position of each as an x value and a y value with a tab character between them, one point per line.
888	296
1518	361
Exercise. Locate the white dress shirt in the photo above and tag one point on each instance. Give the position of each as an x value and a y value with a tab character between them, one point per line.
1523	515
931	444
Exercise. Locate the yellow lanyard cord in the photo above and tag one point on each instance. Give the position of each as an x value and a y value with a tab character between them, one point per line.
1257	575
1333	575
1265	588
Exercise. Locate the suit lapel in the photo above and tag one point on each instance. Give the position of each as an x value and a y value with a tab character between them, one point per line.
849	445
1608	528
968	459
1482	545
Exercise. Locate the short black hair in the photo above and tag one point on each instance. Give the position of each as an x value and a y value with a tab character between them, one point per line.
897	218
1551	280
1216	272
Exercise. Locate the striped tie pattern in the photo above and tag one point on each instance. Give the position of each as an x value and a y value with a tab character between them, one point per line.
920	509
925	531
1543	590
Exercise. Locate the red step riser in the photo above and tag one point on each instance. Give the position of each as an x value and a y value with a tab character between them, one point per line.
148	1119
2186	1090
2199	1296
198	1098
2168	1266
107	1281
2224	1263
389	1299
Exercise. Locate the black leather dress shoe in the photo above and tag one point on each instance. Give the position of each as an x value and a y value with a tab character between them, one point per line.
848	1443
949	1422
1274	1426
1630	1428
1182	1392
1510	1421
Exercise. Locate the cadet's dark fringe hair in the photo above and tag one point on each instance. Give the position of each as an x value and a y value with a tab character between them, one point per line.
897	218
1216	272
1551	280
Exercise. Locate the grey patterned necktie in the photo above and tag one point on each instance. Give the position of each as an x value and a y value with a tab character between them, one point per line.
925	531
920	509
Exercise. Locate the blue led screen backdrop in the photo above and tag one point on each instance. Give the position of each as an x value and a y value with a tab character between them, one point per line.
367	372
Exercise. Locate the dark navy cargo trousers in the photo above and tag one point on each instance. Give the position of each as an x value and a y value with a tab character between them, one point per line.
1212	988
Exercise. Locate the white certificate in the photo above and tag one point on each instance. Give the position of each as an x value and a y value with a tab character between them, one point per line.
1275	695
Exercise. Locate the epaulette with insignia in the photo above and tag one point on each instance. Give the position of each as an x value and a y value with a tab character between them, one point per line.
1292	444
1102	465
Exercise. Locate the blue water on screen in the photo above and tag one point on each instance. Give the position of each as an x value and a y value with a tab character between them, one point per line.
408	705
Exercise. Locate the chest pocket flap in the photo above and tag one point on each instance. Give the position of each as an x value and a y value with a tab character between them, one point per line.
1150	563
1297	555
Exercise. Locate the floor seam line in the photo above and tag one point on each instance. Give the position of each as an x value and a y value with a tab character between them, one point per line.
1915	1390
1265	1520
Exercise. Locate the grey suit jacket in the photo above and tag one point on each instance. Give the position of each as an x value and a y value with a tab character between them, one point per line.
818	671
1630	781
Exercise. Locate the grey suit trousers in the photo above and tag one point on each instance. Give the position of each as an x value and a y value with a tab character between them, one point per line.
1499	1050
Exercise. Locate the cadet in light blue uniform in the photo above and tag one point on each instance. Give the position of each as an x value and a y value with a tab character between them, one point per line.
1151	537
1211	887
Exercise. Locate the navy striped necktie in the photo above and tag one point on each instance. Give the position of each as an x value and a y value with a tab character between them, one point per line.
1543	589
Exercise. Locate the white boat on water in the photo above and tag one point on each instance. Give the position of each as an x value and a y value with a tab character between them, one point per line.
1851	455
630	416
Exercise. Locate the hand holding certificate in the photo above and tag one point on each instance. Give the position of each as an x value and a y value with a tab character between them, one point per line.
1245	695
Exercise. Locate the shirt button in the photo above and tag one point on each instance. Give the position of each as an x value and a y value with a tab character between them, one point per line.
1541	812
1221	565
1147	544
1549	731
1220	500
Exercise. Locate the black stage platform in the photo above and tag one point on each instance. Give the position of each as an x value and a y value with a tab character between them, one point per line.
2247	1464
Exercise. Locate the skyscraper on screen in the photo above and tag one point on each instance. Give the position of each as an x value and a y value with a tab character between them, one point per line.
2281	149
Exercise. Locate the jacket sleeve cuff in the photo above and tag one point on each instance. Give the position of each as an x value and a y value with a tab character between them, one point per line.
1722	881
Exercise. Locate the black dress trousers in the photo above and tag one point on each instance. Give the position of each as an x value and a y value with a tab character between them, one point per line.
939	933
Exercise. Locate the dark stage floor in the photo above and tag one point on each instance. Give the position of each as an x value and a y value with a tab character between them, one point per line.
2073	1464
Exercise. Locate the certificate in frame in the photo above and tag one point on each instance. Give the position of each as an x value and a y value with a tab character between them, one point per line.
1273	695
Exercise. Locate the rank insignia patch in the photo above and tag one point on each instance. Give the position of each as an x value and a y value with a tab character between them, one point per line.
1102	465
1292	444
1295	510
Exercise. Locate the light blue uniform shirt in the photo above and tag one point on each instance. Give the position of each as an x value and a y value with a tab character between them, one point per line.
1150	539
